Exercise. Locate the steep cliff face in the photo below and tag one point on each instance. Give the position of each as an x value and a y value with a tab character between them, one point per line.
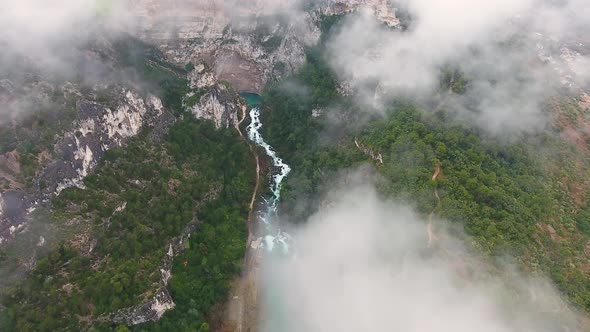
10	170
243	43
57	123
382	9
211	99
234	53
246	43
567	58
99	127
97	130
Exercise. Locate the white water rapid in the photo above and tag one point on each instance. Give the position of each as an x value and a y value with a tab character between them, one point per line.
273	236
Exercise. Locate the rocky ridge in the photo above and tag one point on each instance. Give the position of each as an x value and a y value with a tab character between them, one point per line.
234	54
98	128
247	46
211	99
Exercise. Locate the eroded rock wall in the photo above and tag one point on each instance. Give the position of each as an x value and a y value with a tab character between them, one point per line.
99	128
211	99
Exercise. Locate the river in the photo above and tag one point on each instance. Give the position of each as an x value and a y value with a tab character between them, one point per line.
275	240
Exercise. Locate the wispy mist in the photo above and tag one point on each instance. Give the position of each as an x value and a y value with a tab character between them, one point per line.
40	29
363	263
48	42
495	46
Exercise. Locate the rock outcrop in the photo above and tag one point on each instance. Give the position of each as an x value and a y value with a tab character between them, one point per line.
243	43
146	312
211	99
154	308
382	9
376	156
10	169
99	128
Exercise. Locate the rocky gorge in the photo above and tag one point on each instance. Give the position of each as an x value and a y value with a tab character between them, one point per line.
220	49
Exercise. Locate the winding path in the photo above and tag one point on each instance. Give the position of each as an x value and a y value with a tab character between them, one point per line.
243	308
237	126
431	236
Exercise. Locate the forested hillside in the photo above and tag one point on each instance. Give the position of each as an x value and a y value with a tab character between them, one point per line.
155	232
140	198
513	197
184	178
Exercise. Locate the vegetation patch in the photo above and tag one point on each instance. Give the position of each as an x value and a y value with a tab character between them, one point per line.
133	212
500	193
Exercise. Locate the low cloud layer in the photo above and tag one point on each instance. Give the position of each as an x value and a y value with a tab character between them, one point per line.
362	264
47	42
496	45
41	29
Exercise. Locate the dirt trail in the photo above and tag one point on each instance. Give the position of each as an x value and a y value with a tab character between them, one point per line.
239	123
437	171
431	236
242	308
253	200
241	120
241	312
237	126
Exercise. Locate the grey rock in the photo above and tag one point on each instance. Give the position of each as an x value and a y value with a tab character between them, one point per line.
98	129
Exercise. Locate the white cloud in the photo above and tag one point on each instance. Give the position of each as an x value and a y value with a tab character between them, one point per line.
493	42
362	264
39	25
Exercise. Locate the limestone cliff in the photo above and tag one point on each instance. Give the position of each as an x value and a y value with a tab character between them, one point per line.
99	127
244	43
211	99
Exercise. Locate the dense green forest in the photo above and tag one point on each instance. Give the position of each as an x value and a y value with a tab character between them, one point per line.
501	193
116	231
172	184
200	173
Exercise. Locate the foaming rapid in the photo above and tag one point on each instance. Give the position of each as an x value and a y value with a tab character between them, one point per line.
273	236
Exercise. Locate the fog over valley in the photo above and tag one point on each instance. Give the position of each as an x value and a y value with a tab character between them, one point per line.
298	165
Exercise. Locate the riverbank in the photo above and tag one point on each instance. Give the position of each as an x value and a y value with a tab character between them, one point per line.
264	233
